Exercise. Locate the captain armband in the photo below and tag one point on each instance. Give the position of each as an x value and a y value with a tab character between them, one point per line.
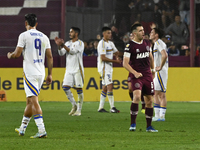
126	54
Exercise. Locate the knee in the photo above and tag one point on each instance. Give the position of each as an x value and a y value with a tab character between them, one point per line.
149	103
136	98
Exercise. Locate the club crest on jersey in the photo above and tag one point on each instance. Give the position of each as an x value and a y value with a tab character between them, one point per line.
142	55
137	85
137	50
148	48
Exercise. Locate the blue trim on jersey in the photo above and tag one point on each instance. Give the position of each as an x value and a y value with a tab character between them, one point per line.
31	87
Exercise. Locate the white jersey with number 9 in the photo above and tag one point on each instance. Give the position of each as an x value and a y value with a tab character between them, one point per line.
34	44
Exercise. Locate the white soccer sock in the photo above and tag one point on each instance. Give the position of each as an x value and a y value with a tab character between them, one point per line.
162	112
80	99
39	122
111	99
25	121
157	110
69	95
102	100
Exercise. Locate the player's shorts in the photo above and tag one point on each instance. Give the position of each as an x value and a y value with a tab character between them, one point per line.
106	78
73	79
145	84
33	84
160	81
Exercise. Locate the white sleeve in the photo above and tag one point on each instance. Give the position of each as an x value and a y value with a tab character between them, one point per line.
101	48
62	52
161	46
114	48
21	41
48	43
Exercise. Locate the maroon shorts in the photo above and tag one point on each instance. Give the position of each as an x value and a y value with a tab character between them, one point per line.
145	84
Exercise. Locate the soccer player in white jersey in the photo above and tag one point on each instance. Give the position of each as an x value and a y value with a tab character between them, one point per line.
35	46
106	49
161	76
74	74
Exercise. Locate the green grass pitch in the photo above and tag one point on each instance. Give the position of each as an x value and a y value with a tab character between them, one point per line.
101	131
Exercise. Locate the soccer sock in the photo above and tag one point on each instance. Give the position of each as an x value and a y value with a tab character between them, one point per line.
131	95
142	102
39	122
102	100
134	112
25	121
80	99
69	95
111	99
157	110
162	112
149	114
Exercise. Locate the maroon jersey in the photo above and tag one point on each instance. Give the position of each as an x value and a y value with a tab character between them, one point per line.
139	59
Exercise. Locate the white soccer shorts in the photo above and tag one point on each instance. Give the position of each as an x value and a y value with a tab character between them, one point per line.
106	78
160	81
73	79
33	84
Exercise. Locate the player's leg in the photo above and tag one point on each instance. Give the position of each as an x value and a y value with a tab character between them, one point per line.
79	80
102	97
143	104
163	105
149	112
156	106
109	83
67	84
134	108
130	91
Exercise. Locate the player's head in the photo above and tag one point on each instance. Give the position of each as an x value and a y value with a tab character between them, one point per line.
74	32
107	34
156	33
31	19
138	31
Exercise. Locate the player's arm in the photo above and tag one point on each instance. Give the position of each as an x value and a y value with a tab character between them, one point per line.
152	65
61	44
126	65
106	59
16	53
50	65
163	60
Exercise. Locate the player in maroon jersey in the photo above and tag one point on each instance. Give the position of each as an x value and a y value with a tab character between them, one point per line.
141	60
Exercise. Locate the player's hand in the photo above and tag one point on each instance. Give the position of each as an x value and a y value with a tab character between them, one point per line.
119	61
158	68
9	54
49	79
138	75
59	41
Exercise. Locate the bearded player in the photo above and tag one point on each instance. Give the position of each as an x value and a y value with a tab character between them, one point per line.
138	53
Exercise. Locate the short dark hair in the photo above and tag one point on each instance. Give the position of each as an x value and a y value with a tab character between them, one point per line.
160	32
31	19
134	26
76	29
105	29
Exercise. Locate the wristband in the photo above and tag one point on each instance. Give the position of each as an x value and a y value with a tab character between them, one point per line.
153	70
62	45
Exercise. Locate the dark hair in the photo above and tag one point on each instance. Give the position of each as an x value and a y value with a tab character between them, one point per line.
134	26
105	29
76	29
31	19
160	32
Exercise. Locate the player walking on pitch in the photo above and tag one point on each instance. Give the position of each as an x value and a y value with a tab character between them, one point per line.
74	74
138	52
161	76
35	46
106	49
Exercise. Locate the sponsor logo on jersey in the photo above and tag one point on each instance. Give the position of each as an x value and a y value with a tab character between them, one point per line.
127	45
142	55
137	50
148	48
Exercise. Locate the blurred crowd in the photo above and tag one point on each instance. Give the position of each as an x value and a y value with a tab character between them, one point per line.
173	16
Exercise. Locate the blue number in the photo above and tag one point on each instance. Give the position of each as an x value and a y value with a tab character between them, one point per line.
38	45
